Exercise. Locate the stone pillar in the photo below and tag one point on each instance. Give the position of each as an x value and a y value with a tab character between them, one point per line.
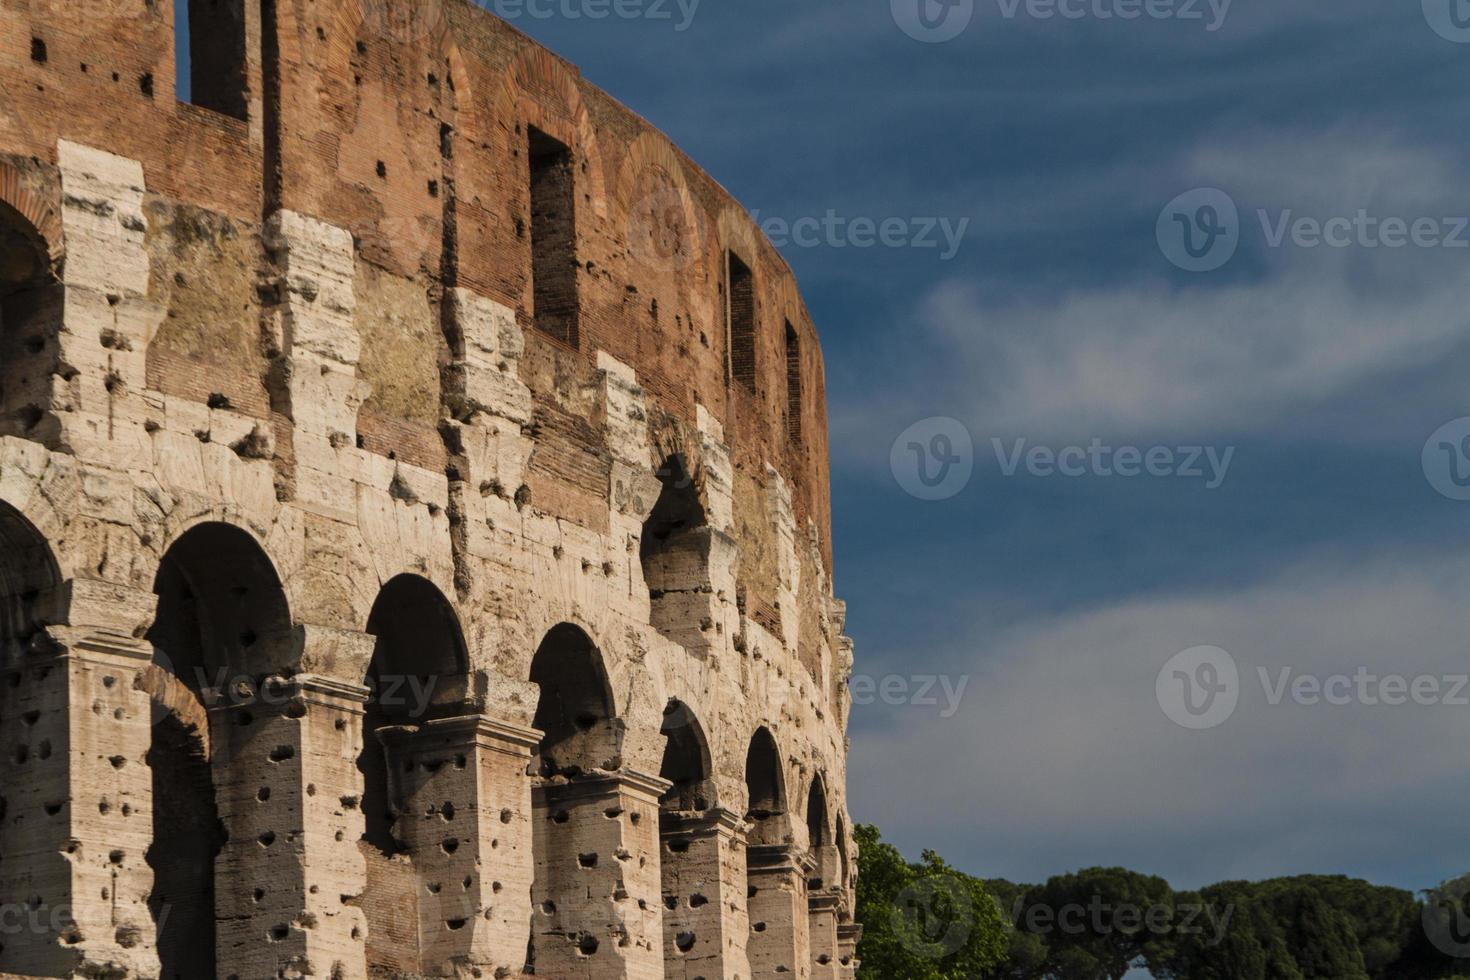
598	913
705	922
466	821
780	938
822	910
290	878
76	795
848	934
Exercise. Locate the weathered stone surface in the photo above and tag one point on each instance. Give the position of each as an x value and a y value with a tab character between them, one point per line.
395	577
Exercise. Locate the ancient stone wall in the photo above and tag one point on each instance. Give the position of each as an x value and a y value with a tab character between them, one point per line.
414	544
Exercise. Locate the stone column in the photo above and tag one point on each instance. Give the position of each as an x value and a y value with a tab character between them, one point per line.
822	910
598	913
76	795
290	877
848	935
466	821
780	938
705	922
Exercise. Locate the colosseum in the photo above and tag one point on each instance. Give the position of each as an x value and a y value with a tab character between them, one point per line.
415	539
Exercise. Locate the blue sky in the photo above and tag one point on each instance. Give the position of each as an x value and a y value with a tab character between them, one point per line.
1060	320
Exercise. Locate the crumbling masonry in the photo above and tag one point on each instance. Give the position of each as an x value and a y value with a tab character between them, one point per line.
415	548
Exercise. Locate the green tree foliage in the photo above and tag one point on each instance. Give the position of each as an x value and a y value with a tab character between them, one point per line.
923	921
927	921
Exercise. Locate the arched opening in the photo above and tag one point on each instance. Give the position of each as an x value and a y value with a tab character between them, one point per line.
819	835
419	669
31	301
419	672
575	709
29	579
686	762
675	551
221	615
767	790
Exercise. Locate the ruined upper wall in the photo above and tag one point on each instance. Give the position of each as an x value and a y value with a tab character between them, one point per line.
408	125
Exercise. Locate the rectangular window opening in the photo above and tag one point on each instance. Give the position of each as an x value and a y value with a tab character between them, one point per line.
742	322
553	238
209	52
793	385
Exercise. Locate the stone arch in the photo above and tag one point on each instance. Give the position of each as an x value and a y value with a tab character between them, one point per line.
30	581
576	709
765	784
31	302
820	840
540	90
736	231
686	763
223	622
222	608
419	669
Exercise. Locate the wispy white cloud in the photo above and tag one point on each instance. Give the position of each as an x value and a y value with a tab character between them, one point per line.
1060	755
1229	352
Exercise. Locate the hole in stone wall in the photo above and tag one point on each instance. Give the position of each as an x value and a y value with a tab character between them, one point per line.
553	238
674	550
209	53
793	385
742	322
31	306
